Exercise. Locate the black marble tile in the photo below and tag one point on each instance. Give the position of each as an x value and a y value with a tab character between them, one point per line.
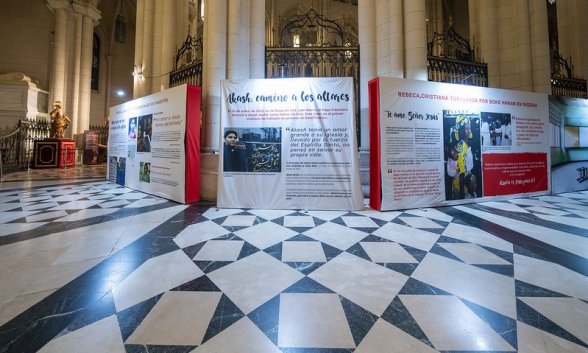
226	314
405	268
375	239
274	251
209	266
247	250
92	313
267	318
358	251
301	237
418	254
398	315
140	348
330	251
192	250
129	319
438	250
316	350
338	221
531	317
360	320
416	287
448	239
503	325
379	222
523	289
200	284
307	285
506	270
505	255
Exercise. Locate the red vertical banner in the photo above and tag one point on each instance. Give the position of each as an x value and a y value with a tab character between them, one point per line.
514	173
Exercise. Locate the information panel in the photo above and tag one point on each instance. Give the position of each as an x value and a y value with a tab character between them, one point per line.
289	144
154	146
436	144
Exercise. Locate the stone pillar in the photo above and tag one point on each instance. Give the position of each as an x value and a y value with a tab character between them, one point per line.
396	39
157	41
169	41
215	63
368	67
383	46
59	50
139	28
75	106
147	52
257	41
523	39
85	75
415	39
489	40
539	39
235	55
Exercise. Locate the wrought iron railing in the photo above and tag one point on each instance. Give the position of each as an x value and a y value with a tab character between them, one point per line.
190	74
17	146
188	63
563	80
455	71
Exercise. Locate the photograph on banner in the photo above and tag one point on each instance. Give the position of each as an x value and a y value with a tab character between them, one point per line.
145	172
144	133
288	144
252	149
133	128
461	143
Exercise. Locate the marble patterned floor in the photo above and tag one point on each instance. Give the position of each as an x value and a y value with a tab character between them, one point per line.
89	266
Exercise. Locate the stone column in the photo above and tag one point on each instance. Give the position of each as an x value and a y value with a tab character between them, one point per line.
169	42
383	46
539	37
157	41
215	63
58	78
523	37
139	28
415	39
257	41
83	118
396	39
147	47
74	112
489	40
235	55
368	67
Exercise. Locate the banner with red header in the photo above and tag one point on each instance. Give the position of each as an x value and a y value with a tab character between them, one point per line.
435	144
154	144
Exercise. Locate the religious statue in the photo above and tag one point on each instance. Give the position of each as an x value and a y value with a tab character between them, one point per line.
59	121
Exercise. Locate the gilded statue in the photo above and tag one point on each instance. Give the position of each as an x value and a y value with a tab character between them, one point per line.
59	121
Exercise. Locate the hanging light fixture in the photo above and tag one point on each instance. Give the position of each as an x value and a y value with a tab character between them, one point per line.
120	26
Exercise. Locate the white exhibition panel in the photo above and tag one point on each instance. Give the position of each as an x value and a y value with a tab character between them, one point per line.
146	144
297	146
425	156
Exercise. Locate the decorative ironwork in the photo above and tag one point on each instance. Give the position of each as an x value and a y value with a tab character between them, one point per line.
17	146
451	58
188	63
563	80
313	29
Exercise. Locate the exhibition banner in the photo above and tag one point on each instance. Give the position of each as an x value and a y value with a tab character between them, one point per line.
154	144
289	144
434	144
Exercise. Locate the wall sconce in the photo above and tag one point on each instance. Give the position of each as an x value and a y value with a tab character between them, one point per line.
120	27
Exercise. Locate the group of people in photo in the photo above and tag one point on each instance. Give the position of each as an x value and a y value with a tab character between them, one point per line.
496	130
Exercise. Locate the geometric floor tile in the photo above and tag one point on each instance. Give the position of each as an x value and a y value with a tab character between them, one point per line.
387	252
384	337
473	254
303	251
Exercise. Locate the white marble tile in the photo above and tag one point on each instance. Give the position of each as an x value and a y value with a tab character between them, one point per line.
101	197
530	202
214	213
473	254
504	206
547	210
556	198
69	198
405	235
12	215
533	340
85	214
368	285
74	205
336	235
387	252
550	276
239	221
359	222
99	337
116	203
171	270
220	250
451	326
385	337
242	336
569	313
300	326
430	213
327	215
35	198
39	206
56	276
146	202
581	195
253	280
303	251
420	222
573	243
580	213
270	214
384	216
45	216
476	236
485	288
199	232
265	234
298	221
581	223
178	318
12	228
21	303
10	206
130	196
